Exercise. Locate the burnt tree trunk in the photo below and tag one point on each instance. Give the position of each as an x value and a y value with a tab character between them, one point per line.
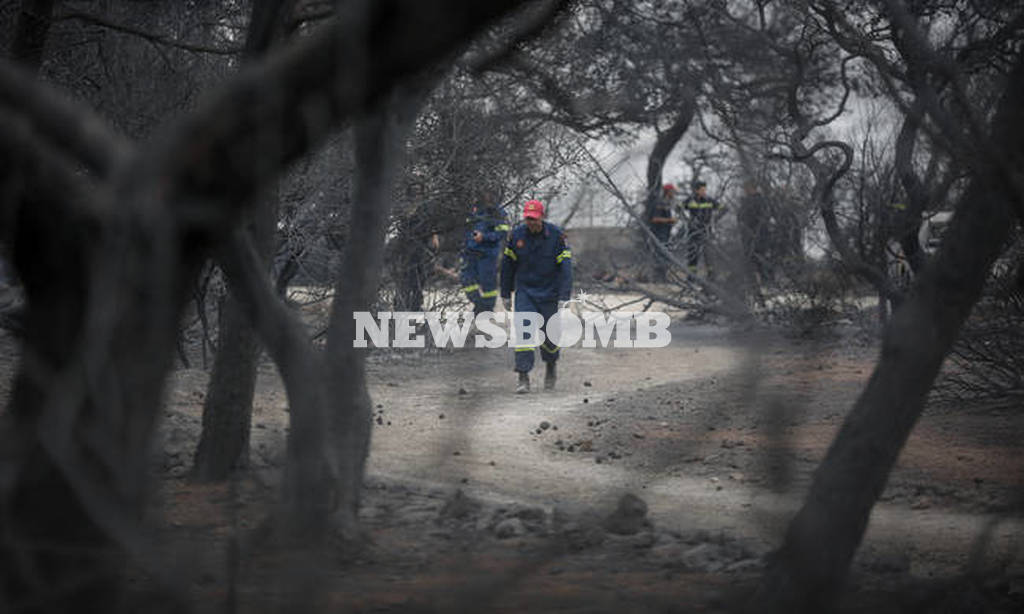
663	146
379	143
33	25
227	409
808	572
107	259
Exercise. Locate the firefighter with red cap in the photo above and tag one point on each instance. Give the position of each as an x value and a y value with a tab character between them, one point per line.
538	266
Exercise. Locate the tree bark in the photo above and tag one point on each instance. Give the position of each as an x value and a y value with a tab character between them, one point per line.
33	25
663	146
227	409
808	571
379	143
107	268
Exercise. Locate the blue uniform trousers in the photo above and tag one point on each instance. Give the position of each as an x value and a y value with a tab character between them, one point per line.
479	278
548	350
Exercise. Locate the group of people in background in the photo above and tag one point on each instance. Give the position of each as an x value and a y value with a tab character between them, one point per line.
534	260
698	211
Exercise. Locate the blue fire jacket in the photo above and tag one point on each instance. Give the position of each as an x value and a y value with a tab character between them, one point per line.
538	264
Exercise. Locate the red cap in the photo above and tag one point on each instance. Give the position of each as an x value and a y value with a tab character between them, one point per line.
668	187
534	209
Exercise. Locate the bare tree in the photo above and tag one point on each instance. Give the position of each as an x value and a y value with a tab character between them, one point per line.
808	571
107	259
227	408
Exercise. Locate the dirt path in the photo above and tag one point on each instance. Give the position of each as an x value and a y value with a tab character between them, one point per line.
718	433
700	430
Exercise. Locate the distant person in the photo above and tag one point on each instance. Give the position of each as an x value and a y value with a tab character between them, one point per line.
480	253
752	219
701	212
662	220
538	266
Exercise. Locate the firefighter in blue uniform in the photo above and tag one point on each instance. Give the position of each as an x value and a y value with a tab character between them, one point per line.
702	211
480	252
538	265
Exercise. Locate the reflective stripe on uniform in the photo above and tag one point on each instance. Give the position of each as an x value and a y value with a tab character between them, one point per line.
526	348
511	254
489	293
696	205
565	254
471	288
501	228
554	348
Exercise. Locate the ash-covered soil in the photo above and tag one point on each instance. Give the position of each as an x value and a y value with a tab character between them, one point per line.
648	481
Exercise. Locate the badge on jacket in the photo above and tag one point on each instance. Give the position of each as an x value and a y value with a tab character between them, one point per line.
520	244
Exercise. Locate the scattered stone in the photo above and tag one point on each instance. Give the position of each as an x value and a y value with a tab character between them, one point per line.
705	557
586	445
545	425
459	507
462	391
440	417
586	400
695	536
583	535
629	517
509	527
587	383
638	435
456	453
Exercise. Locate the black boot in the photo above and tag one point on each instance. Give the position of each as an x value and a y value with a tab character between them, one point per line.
524	383
550	376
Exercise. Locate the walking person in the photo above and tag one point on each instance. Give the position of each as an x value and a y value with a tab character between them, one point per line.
480	253
538	266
